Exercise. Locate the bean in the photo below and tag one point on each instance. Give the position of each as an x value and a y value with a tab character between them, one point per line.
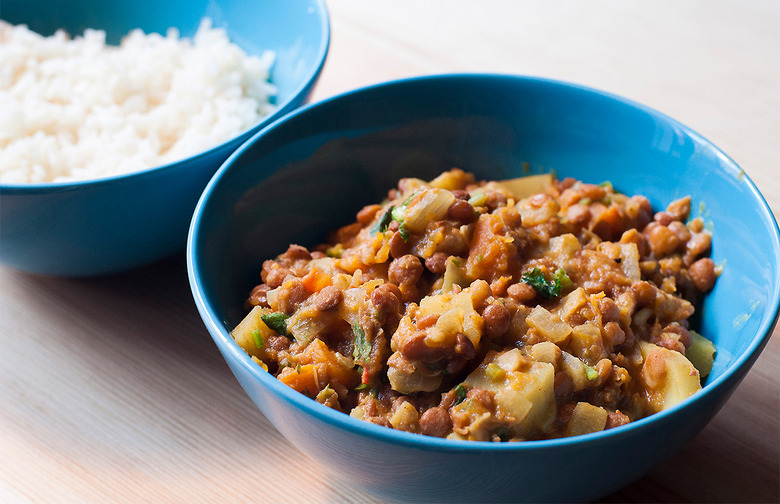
614	334
405	270
703	274
654	369
294	253
291	294
684	335
398	246
464	347
662	240
437	263
274	274
460	210
427	321
436	422
496	317
414	349
521	292
663	218
679	229
616	419
387	299
258	296
592	192
328	298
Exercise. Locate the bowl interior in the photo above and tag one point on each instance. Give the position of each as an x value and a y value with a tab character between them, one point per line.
310	173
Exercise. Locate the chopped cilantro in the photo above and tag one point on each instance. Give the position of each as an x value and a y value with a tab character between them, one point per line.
362	350
258	339
460	391
276	321
547	288
383	222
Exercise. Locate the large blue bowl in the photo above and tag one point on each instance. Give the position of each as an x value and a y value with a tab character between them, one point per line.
113	224
312	170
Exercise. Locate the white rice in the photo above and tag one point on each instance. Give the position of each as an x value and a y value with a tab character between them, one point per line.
75	109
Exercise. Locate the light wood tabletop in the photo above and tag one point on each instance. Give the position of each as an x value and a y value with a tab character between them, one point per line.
111	389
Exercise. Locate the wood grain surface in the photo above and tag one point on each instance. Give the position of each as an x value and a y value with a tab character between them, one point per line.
111	389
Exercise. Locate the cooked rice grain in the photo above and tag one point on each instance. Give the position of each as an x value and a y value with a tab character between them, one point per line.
74	109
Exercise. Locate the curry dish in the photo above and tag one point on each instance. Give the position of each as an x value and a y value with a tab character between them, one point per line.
523	309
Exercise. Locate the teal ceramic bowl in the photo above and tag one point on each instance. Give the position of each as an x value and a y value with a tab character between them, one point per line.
312	170
113	224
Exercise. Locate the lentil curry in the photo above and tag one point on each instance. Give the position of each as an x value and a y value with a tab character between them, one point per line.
513	310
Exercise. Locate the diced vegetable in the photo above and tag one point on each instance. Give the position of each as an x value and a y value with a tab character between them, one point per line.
586	418
701	353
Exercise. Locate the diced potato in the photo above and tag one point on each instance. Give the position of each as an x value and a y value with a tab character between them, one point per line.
667	375
243	332
549	325
572	303
629	261
454	275
523	187
420	380
456	314
563	247
526	395
545	351
405	417
586	343
586	418
576	370
701	353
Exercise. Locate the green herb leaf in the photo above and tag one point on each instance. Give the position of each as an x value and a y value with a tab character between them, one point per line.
361	386
258	339
403	232
590	373
383	222
548	289
362	350
276	321
460	391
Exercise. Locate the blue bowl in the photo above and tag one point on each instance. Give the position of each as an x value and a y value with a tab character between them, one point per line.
112	224
312	170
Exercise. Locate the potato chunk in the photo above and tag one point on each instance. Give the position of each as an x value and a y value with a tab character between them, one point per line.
668	376
523	391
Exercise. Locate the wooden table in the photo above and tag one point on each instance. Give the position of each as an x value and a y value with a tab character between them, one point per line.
111	389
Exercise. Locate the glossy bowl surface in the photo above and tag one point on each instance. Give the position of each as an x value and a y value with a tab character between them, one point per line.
314	169
112	224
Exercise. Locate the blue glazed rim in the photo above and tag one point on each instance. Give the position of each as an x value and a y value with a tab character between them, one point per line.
729	378
238	140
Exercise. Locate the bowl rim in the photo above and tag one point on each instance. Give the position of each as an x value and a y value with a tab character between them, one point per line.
279	111
730	377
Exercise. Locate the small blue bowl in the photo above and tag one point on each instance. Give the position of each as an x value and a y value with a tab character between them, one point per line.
112	224
312	170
